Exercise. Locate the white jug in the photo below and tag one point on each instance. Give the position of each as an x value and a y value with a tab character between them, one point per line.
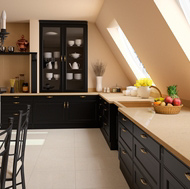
75	65
49	65
55	65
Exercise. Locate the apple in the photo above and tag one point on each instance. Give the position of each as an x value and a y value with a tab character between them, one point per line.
168	99
176	102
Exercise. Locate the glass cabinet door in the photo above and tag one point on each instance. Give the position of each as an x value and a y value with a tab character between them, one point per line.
75	59
51	60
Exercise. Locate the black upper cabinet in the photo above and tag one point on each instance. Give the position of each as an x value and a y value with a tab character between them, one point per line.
63	56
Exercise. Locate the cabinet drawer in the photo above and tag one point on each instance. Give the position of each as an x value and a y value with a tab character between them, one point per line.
147	141
127	169
48	98
142	180
125	136
150	164
124	153
177	168
170	182
16	99
125	121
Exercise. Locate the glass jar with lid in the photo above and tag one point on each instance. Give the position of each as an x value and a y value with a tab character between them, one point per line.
21	81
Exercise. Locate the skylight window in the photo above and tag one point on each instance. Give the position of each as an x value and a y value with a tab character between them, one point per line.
185	6
128	52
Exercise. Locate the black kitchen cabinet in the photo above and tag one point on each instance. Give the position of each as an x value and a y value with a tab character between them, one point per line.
145	163
10	106
63	56
107	116
81	110
48	111
65	111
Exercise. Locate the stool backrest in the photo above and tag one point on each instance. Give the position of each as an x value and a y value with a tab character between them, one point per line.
4	151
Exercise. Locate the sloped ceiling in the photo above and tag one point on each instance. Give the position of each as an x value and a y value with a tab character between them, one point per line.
152	40
25	10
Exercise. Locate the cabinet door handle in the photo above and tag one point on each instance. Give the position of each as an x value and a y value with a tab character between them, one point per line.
67	104
49	96
143	136
82	96
16	102
143	181
143	151
16	97
123	119
105	102
105	109
187	175
15	114
123	152
124	130
64	104
105	124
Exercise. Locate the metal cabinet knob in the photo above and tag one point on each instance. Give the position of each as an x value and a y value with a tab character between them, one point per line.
16	102
15	114
187	175
123	152
143	136
143	151
16	97
67	104
123	119
143	181
82	96
49	96
124	130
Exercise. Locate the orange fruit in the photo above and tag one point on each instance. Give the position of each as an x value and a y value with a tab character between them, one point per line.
157	103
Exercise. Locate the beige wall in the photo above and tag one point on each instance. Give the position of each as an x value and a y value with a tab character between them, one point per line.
151	38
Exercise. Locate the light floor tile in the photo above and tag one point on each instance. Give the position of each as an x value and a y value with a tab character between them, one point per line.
71	159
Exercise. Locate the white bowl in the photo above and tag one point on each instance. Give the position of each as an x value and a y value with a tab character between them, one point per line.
78	76
71	43
56	54
48	55
49	76
131	88
56	76
133	92
69	76
126	92
78	42
75	55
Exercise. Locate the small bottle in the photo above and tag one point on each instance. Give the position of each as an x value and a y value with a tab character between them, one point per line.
16	85
108	90
25	87
104	89
21	81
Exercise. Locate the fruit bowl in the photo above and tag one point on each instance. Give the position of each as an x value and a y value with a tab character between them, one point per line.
168	109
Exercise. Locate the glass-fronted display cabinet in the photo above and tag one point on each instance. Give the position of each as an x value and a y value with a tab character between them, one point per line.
63	56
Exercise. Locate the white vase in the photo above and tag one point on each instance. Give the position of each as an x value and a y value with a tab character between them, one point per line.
55	65
99	83
144	91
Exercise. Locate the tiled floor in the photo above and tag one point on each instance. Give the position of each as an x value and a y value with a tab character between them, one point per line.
71	158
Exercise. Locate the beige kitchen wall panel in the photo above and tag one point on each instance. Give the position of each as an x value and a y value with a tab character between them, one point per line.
98	49
11	67
152	39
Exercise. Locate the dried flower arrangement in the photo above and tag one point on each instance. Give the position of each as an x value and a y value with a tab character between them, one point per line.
99	68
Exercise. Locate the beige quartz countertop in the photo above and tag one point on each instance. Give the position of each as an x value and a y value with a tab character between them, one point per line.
171	131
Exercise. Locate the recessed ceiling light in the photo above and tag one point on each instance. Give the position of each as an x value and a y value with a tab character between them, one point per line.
51	33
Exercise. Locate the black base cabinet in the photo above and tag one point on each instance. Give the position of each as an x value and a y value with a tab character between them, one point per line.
146	164
52	111
107	119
